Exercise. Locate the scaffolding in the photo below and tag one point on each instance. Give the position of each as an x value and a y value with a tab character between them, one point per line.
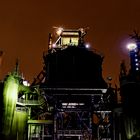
80	114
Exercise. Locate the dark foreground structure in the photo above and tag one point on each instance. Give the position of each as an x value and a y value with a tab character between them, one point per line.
68	100
130	89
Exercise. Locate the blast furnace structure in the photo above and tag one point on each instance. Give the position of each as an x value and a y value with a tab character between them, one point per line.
68	100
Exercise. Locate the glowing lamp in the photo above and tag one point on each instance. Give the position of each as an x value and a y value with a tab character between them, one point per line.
87	46
131	46
54	45
59	31
25	83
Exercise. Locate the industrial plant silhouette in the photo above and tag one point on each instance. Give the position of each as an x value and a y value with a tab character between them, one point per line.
69	99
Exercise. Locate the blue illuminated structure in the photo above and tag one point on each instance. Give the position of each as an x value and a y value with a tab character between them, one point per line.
134	52
129	91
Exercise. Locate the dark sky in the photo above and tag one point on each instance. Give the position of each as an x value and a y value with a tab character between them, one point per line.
25	25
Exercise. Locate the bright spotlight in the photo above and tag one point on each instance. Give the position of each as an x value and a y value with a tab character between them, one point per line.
59	31
87	46
131	46
25	83
54	45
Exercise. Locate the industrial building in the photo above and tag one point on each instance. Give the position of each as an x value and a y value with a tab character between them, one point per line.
130	88
68	99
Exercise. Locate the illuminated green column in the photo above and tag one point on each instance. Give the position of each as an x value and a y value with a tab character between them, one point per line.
10	94
21	126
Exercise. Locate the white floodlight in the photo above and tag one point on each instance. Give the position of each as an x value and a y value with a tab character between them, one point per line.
131	46
59	31
87	46
54	45
25	83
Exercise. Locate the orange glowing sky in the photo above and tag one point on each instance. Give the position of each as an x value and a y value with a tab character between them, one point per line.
25	25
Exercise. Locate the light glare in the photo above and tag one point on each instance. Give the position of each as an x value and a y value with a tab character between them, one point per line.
131	46
87	46
59	31
54	45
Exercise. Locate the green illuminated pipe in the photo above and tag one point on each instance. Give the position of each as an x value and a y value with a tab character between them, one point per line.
14	122
10	94
18	128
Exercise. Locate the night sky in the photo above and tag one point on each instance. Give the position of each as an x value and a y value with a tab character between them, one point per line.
25	25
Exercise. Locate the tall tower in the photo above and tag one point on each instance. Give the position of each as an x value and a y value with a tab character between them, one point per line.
134	52
75	89
129	90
